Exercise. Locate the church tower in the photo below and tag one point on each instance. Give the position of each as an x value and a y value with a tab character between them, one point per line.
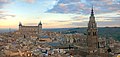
92	36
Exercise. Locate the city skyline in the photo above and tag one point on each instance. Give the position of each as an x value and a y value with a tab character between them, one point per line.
84	28
58	13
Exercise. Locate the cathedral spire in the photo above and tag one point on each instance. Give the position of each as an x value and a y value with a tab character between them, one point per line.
92	17
92	11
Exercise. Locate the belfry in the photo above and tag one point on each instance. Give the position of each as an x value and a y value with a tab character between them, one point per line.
92	35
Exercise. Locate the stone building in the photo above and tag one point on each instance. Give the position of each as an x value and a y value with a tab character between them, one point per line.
33	29
92	36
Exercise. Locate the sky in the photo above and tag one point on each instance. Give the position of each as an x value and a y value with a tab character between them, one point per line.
58	13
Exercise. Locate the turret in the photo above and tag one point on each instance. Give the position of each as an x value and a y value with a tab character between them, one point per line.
40	23
20	24
39	27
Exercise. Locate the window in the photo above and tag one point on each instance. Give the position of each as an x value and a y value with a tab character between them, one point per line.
94	34
88	33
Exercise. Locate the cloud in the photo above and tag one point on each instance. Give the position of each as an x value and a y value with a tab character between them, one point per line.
78	18
113	18
30	1
84	6
31	23
63	21
2	12
98	18
106	23
118	12
64	7
100	23
3	2
81	24
3	16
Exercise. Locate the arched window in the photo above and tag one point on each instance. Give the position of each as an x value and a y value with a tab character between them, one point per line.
94	34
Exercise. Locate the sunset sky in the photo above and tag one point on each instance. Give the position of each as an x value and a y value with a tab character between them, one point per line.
58	13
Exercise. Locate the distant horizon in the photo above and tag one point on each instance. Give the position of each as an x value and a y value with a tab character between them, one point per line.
59	13
65	27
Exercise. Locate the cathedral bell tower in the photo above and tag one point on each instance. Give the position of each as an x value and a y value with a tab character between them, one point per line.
92	36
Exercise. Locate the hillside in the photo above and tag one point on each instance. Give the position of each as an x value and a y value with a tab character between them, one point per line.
103	31
113	32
